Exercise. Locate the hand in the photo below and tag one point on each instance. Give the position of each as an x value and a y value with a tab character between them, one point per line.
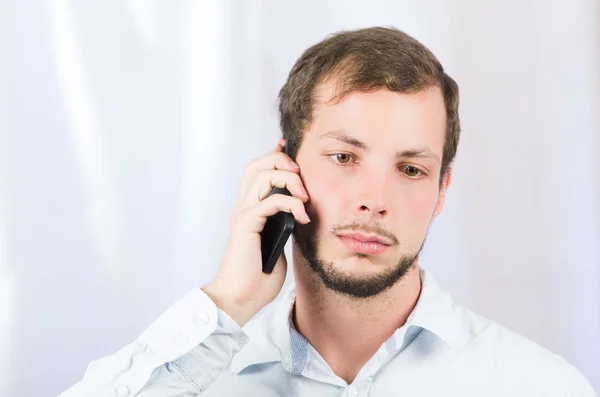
240	288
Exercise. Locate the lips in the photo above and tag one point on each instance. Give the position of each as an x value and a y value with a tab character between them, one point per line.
366	238
364	243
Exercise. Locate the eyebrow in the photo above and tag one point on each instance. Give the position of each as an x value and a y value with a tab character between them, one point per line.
408	153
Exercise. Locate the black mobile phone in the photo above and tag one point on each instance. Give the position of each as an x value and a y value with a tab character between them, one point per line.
276	233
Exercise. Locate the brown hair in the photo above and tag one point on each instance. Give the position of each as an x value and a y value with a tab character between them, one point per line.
365	60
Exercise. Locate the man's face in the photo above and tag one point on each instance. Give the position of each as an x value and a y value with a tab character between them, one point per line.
371	166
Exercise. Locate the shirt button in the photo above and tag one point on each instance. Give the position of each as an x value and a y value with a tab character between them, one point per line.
352	392
122	391
201	319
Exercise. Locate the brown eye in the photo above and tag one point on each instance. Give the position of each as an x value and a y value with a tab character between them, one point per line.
343	158
411	171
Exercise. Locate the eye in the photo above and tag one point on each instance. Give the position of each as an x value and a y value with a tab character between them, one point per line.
341	158
411	171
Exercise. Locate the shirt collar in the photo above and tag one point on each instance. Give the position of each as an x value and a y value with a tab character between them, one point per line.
435	312
274	339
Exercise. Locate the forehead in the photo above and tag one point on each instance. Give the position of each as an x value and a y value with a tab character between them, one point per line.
392	118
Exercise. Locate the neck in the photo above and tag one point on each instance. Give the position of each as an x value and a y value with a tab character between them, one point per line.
347	331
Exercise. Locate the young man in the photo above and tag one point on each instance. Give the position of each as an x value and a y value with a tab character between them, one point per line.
371	120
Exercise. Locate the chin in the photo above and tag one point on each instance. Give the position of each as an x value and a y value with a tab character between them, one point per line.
359	264
350	273
355	266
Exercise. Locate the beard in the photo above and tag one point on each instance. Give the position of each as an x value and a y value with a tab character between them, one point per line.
362	287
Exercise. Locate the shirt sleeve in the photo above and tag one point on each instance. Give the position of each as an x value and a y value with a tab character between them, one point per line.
183	350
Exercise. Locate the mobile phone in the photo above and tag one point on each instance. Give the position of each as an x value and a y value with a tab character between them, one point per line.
276	233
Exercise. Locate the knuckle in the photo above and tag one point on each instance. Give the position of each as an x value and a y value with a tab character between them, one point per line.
296	178
271	178
251	166
299	203
269	175
290	202
277	199
281	157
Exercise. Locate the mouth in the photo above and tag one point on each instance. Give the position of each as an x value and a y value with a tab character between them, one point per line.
364	243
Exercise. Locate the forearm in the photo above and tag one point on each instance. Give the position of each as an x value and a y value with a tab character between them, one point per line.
192	332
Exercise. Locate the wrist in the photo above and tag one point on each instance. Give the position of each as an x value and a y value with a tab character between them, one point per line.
240	312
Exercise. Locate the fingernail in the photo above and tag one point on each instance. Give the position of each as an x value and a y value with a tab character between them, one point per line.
294	165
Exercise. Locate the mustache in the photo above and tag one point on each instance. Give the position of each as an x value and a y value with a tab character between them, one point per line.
358	226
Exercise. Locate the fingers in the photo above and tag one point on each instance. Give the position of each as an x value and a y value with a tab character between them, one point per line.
254	218
274	160
265	181
279	146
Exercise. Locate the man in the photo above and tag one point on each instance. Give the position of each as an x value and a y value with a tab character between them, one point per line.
371	120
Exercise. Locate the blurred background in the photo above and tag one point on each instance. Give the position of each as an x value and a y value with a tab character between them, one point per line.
125	125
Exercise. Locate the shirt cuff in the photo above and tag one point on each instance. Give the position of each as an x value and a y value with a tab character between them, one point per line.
182	327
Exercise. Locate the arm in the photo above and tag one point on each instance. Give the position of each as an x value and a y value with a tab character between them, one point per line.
191	343
187	347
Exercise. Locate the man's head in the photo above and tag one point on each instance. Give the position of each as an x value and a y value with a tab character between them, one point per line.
372	120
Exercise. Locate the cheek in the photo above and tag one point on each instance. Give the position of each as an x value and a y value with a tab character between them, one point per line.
416	205
328	196
410	203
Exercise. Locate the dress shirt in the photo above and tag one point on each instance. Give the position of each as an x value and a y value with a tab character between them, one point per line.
443	349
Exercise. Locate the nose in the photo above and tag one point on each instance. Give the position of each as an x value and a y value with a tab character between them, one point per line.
372	200
373	208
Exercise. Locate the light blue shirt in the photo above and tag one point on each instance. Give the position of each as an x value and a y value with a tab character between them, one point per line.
195	349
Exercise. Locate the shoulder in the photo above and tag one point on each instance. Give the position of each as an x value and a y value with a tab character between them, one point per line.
516	360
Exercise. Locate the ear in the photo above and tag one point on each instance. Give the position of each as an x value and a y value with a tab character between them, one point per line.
447	178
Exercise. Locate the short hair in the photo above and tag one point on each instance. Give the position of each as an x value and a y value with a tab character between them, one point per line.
365	60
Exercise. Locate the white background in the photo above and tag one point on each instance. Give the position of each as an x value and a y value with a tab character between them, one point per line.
124	127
